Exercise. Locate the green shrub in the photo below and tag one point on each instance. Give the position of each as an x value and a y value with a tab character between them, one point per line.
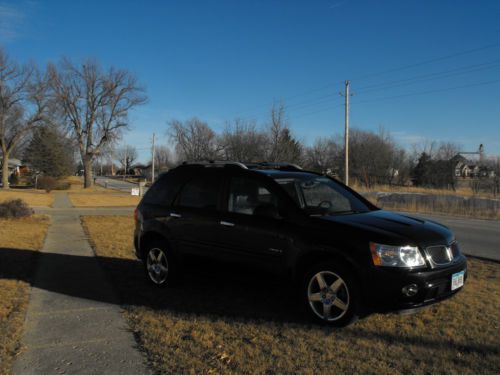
14	208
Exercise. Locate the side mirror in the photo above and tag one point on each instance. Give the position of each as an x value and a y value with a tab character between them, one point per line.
267	210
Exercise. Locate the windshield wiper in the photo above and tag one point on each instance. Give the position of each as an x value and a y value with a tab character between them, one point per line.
345	212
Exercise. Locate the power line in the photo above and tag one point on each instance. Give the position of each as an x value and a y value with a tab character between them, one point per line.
430	61
430	91
329	108
431	76
376	74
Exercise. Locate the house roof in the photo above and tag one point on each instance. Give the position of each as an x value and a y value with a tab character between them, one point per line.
13	163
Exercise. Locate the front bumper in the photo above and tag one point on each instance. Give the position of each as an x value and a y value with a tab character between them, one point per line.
384	286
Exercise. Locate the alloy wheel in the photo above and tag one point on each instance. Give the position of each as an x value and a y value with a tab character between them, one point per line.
157	266
328	295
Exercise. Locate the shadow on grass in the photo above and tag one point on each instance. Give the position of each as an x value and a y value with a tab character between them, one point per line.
203	290
211	292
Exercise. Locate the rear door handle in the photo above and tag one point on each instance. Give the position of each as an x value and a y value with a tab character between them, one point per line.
173	214
227	223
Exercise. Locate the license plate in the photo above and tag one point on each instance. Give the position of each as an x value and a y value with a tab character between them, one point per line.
457	280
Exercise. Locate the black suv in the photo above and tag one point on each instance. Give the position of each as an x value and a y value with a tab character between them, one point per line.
346	255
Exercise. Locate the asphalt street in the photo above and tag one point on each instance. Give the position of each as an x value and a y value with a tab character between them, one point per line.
477	237
116	183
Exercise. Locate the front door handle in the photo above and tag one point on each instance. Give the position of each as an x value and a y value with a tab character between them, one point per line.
173	214
227	223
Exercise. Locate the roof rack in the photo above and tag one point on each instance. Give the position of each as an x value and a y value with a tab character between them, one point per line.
215	163
280	166
258	165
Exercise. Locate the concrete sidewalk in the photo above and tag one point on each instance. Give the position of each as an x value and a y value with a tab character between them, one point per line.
73	331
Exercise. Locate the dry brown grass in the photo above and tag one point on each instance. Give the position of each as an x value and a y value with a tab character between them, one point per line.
76	186
31	196
461	192
99	199
21	234
438	204
229	324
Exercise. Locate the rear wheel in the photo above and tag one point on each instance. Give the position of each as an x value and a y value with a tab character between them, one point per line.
159	264
331	294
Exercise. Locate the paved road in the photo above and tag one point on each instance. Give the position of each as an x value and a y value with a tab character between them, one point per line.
115	183
477	237
74	323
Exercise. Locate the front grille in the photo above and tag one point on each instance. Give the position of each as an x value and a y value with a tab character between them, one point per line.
440	255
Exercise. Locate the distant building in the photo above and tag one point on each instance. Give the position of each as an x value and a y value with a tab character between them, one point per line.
466	168
14	166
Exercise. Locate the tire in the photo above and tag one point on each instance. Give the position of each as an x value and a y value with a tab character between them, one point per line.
330	294
160	265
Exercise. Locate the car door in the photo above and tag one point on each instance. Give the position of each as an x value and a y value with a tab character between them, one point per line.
248	232
195	213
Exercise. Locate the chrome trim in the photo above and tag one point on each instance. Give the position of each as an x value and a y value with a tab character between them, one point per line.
448	253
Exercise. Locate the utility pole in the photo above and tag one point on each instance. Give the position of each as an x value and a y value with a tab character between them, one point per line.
153	161
346	95
125	163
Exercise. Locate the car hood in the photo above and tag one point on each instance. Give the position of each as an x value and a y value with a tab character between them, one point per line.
397	227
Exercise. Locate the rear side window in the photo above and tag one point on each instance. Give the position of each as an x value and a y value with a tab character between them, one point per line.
201	192
164	190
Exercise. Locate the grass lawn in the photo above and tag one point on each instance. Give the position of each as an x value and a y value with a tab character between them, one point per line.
99	199
462	192
31	196
23	234
231	324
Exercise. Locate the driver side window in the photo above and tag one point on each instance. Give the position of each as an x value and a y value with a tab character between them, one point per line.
246	194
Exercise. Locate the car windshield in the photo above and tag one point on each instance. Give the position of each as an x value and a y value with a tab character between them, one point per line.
319	195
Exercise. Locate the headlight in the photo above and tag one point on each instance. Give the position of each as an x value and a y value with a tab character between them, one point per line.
396	256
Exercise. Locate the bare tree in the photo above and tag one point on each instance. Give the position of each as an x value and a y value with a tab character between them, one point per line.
194	139
447	150
282	145
95	104
23	106
323	155
374	158
126	156
163	158
242	141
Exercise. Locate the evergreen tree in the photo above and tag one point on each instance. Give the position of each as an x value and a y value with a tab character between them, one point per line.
50	152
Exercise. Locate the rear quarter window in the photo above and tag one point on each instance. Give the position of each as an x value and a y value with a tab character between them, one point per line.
164	190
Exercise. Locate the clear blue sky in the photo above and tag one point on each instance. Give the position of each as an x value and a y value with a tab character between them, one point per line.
218	60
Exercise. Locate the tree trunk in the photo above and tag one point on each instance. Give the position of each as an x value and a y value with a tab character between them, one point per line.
87	172
5	171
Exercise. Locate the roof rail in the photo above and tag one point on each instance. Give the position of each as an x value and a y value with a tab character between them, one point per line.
279	165
258	165
215	163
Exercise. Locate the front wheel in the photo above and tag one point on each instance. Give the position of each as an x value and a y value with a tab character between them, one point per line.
331	294
159	264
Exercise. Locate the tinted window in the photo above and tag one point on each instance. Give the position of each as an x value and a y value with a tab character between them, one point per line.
245	194
320	195
201	192
163	191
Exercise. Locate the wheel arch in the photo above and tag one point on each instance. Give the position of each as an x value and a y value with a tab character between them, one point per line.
150	237
308	259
